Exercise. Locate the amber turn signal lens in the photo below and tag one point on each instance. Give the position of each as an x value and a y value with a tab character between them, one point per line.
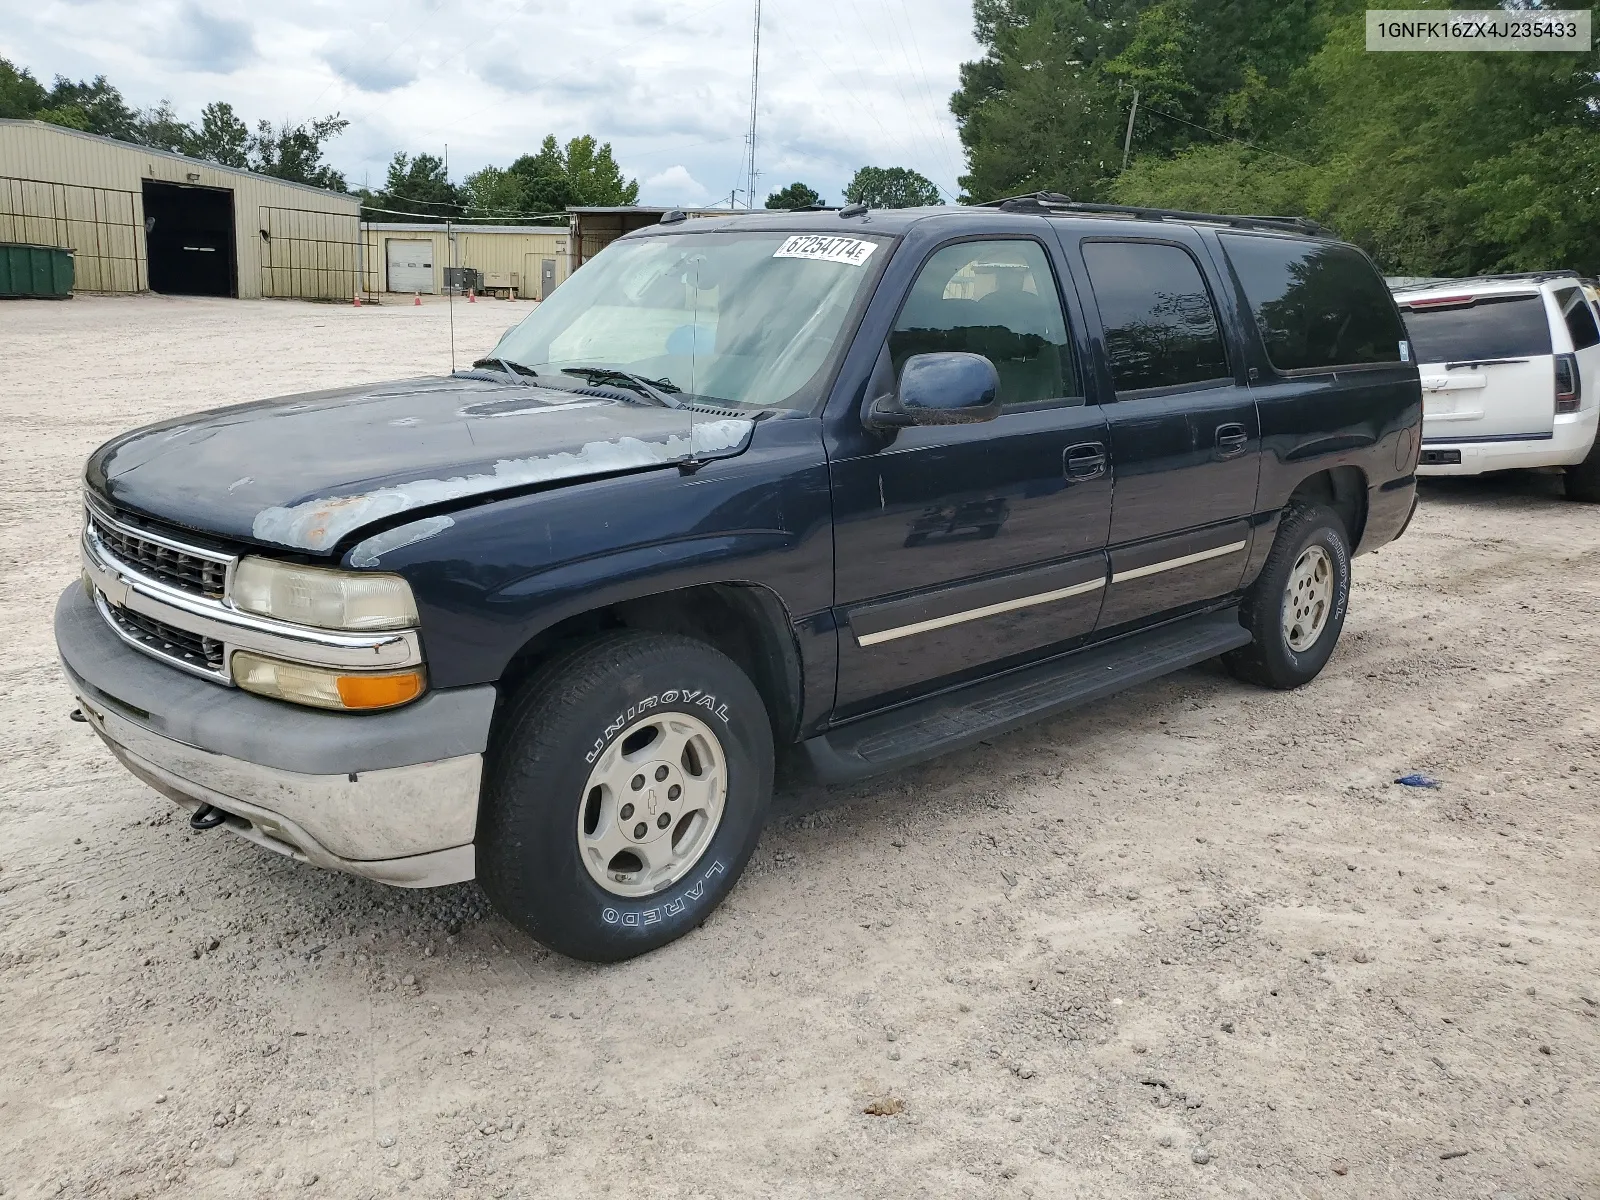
322	688
379	691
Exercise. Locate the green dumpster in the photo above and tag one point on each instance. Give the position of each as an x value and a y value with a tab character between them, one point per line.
41	272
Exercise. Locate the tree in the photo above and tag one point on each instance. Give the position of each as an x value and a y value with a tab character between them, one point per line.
294	152
796	195
222	137
496	195
21	95
890	187
594	175
159	127
417	187
102	106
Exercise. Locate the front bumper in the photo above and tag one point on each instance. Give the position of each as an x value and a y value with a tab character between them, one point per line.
1571	438
389	796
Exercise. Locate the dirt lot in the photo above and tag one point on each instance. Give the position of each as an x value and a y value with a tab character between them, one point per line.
1190	942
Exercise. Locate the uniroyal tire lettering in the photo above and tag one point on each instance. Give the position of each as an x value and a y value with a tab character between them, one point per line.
693	699
669	908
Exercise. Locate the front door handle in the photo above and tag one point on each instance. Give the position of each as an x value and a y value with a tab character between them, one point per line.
1085	461
1232	440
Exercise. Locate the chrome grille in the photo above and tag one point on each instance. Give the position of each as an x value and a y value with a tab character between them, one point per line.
201	574
168	641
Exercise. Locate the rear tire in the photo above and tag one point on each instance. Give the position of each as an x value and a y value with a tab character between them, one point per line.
658	727
1296	607
1583	480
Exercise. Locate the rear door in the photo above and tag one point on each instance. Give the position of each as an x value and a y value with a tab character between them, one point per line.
1486	365
1185	435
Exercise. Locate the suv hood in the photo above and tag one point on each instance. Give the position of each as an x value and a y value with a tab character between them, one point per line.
305	472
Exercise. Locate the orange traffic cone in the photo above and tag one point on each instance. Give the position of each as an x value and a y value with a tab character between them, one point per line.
357	303
471	299
416	299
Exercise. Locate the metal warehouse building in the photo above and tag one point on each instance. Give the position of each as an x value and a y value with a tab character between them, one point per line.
527	261
139	219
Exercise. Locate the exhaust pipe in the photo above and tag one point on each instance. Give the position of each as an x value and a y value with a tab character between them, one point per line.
207	817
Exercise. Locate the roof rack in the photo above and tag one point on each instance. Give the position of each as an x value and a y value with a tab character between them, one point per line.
1508	277
1056	203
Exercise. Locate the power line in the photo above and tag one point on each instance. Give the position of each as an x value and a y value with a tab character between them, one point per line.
1227	137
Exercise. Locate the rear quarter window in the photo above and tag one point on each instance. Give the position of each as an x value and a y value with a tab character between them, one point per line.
1479	328
1579	317
1316	305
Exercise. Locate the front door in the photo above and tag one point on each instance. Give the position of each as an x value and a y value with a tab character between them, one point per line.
1185	436
962	547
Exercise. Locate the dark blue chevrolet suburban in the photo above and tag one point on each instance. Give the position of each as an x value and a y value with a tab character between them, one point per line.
842	489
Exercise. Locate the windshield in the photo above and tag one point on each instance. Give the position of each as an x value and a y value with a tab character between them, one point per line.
731	319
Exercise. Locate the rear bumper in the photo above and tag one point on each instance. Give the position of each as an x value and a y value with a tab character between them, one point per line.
1569	443
389	796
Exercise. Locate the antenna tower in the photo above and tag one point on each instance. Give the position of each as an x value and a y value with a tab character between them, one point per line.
755	91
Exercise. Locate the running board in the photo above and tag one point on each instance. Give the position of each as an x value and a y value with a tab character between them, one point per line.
931	727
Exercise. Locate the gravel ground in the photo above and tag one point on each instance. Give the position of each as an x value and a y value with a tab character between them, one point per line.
1190	942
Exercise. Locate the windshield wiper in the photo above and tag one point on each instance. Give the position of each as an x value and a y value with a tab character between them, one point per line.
508	366
654	389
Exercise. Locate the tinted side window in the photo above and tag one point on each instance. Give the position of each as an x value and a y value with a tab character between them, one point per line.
1316	305
997	299
1580	320
1160	324
1477	328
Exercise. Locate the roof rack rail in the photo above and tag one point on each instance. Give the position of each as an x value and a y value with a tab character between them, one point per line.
1507	277
1055	202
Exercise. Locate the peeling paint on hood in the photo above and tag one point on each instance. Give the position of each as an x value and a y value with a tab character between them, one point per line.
307	473
321	524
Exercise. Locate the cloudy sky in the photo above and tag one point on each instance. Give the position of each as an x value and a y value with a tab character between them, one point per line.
844	83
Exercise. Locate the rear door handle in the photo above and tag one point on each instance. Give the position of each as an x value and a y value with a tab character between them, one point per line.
1085	461
1232	440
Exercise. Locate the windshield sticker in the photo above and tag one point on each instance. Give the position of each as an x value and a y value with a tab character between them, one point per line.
853	252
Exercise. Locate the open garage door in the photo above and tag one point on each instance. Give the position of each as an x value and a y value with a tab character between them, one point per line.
189	241
410	265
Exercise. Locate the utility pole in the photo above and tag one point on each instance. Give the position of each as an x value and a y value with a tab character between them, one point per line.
1127	141
755	90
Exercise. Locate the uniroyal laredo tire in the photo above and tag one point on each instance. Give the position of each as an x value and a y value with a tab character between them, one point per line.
561	728
1287	592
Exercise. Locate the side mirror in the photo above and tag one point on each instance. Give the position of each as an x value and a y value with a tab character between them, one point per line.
939	389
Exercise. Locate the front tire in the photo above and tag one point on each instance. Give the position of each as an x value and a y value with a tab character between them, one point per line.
1295	609
625	790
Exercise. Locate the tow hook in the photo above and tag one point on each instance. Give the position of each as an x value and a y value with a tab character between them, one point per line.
206	817
77	715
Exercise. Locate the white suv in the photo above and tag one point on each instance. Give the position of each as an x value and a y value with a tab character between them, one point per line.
1510	375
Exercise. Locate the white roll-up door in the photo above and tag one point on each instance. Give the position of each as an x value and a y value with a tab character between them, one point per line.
410	266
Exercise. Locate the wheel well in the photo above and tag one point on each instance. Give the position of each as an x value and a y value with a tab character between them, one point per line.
747	623
1343	489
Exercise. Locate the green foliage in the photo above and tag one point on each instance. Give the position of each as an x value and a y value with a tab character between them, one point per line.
1437	164
417	187
796	195
890	187
294	152
69	116
21	95
222	137
495	196
159	127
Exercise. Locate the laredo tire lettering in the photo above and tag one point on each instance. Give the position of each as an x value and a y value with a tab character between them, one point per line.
669	908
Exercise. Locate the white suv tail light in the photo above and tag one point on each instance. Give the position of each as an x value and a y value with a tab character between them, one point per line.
1569	384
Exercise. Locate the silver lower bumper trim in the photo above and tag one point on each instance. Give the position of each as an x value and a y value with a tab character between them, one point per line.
406	826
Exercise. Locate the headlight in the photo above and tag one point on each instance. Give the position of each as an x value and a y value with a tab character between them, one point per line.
320	596
322	688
